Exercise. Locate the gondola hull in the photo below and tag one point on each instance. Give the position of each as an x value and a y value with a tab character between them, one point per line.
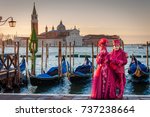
139	76
50	77
139	79
42	81
79	79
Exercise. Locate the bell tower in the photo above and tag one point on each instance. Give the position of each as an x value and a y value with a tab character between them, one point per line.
34	20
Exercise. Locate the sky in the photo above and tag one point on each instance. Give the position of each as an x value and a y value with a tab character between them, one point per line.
130	19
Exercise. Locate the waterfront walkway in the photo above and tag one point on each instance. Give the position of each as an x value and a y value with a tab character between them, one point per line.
4	96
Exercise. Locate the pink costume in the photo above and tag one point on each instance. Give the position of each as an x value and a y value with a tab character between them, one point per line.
118	60
103	82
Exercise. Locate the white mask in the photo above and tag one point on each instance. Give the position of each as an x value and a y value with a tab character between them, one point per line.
116	47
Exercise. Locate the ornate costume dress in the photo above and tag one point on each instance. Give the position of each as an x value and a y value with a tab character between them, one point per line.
118	59
103	82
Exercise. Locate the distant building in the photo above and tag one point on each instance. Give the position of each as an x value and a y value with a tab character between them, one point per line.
7	39
74	37
50	42
22	40
61	34
89	39
52	37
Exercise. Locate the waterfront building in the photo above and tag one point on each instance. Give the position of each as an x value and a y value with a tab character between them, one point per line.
61	34
89	39
74	37
22	40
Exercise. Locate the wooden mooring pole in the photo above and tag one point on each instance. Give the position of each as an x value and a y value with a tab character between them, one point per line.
27	47
3	49
17	50
70	54
92	59
9	82
42	57
97	47
147	55
66	50
73	53
46	56
59	60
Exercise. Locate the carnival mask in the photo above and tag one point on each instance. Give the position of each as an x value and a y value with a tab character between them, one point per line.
116	47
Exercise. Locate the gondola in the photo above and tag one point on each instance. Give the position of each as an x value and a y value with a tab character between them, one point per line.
82	73
50	77
138	71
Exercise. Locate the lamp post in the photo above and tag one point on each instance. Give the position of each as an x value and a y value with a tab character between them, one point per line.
12	23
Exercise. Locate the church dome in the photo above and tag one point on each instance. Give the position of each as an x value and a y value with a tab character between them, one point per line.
61	27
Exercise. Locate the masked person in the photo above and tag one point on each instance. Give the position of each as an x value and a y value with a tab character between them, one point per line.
118	60
103	82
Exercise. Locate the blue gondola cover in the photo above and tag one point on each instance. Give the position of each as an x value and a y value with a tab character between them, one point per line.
22	65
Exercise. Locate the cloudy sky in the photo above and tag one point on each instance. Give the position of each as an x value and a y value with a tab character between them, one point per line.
129	19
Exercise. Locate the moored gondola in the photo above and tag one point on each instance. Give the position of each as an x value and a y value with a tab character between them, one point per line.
138	71
82	73
44	79
50	77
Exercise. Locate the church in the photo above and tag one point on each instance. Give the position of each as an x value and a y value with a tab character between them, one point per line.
54	36
60	34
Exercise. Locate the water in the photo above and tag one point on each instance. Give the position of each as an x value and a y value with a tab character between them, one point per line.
65	87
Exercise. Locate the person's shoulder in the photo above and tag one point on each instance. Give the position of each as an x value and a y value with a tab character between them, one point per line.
124	53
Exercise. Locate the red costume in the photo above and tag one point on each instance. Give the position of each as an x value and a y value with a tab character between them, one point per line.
118	60
103	83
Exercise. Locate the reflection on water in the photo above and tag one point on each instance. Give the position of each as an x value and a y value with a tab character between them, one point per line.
140	88
79	89
137	88
65	87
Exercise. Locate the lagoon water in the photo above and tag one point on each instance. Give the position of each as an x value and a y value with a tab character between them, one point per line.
65	87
